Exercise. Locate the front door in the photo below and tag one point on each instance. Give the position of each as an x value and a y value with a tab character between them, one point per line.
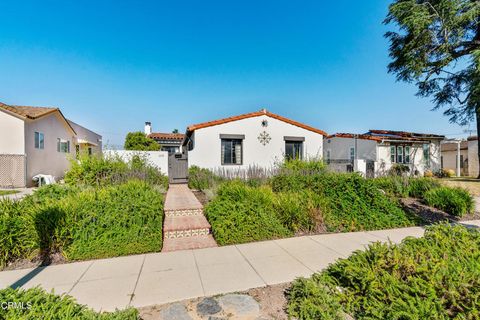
177	168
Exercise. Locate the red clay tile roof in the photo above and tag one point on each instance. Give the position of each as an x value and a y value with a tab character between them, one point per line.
404	134
33	113
28	111
166	136
379	135
251	115
352	135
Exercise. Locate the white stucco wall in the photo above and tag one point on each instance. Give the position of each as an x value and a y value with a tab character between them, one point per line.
473	158
207	143
48	160
340	148
380	153
12	134
158	159
417	160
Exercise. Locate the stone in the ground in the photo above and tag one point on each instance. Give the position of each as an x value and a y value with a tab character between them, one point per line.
176	311
208	306
240	305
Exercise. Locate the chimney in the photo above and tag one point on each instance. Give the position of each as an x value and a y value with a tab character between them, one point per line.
148	128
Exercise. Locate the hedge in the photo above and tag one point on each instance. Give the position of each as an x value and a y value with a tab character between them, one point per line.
434	277
82	223
36	303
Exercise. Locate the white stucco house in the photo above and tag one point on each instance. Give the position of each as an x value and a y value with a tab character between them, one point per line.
258	139
375	152
39	140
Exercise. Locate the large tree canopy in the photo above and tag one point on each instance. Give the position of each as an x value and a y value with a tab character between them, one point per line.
139	141
438	47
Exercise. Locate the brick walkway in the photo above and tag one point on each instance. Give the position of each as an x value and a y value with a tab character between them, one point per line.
185	226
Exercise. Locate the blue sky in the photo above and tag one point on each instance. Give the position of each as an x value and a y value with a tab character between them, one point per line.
112	65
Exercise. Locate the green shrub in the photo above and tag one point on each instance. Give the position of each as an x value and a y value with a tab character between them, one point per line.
399	170
240	213
310	166
455	201
434	277
299	211
82	224
112	221
401	186
313	300
202	179
396	186
35	303
417	187
18	236
351	202
101	171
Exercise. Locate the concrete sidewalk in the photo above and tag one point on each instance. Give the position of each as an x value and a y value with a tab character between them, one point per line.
158	278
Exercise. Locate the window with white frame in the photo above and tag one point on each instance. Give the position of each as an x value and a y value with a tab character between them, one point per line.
400	154
63	145
426	154
39	140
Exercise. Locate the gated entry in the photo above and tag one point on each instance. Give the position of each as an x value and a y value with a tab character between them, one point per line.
370	169
177	168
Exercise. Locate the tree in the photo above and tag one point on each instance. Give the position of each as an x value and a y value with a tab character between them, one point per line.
139	141
437	46
175	131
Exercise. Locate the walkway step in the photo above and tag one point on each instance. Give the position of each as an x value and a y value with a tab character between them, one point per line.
187	243
184	212
185	226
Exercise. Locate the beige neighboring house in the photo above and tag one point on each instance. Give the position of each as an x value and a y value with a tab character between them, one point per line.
39	140
473	169
375	152
449	156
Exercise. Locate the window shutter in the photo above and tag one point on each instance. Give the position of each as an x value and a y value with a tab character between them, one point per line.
238	153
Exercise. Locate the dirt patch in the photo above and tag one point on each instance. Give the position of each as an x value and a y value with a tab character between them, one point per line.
37	261
272	301
431	215
201	196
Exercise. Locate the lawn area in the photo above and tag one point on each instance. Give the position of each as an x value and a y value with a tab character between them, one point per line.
469	183
434	277
7	192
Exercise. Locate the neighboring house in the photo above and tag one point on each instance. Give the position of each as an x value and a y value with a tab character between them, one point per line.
37	140
257	139
170	142
449	152
473	169
86	141
376	151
